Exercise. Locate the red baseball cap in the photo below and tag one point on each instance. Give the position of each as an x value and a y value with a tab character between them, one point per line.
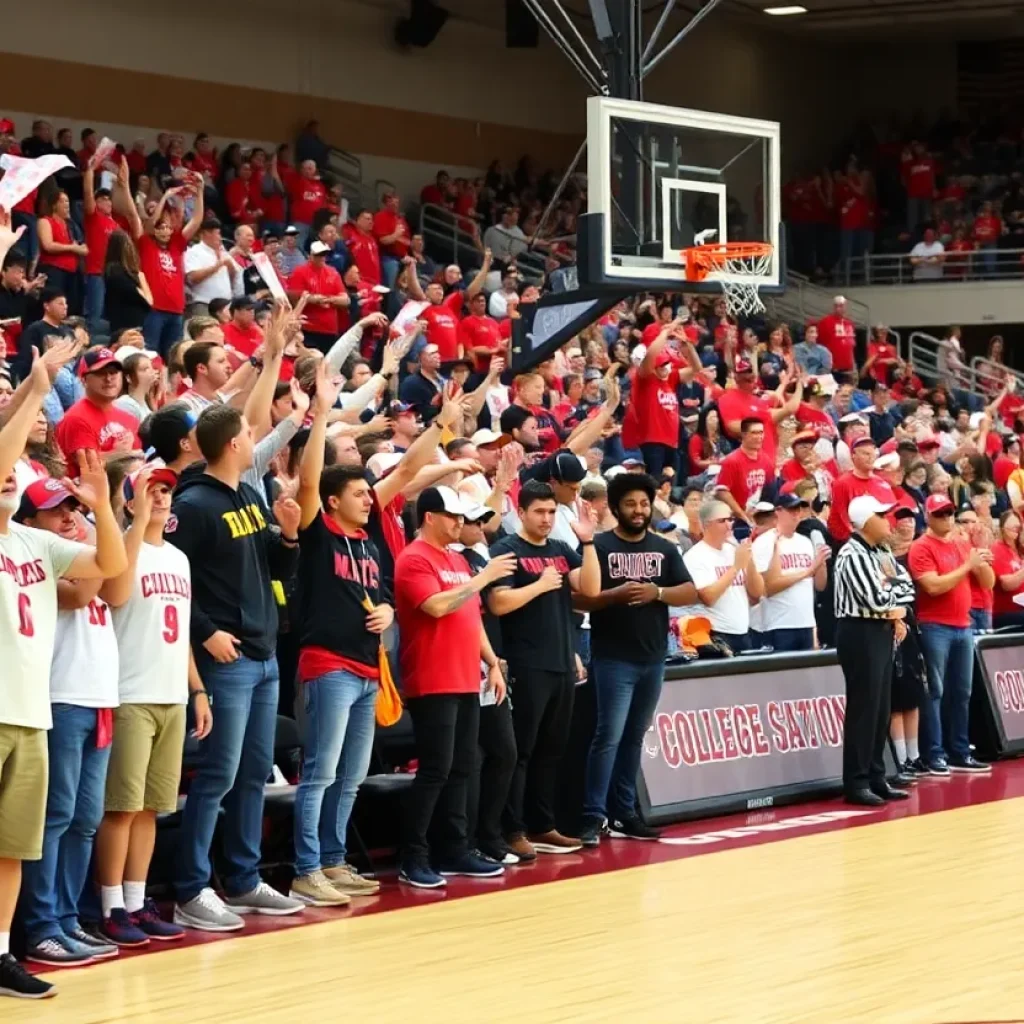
743	366
929	442
96	359
805	435
6	126
42	495
158	475
664	357
888	447
937	503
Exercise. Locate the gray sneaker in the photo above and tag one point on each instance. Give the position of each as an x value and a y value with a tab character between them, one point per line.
79	939
207	913
264	899
57	952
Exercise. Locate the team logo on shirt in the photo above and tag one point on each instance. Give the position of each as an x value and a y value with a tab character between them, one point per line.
635	565
171	525
167	584
244	522
28	573
167	264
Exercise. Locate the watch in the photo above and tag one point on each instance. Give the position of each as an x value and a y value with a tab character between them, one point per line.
192	694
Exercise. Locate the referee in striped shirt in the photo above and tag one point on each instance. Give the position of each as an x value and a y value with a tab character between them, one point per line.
872	591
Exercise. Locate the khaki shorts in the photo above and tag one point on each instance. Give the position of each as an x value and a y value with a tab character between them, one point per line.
24	775
145	758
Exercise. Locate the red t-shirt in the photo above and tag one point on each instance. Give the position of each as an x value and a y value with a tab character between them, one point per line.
442	323
480	332
239	344
325	281
1005	562
735	406
885	356
61	236
87	425
1009	406
929	554
745	477
657	408
438	655
387	222
307	196
432	194
238	198
365	253
920	178
165	271
811	415
271	203
847	487
204	163
839	336
987	230
1001	470
98	229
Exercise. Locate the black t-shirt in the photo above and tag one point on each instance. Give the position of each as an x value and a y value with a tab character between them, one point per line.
34	335
492	624
634	634
334	573
123	305
540	634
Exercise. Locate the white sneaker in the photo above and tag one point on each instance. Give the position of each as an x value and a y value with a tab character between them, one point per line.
207	913
264	899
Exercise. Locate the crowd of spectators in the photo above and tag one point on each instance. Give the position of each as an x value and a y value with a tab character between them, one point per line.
290	503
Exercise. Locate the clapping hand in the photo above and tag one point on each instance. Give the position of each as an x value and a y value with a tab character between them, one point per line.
287	514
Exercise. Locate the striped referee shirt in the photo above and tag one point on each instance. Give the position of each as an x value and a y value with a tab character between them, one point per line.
869	582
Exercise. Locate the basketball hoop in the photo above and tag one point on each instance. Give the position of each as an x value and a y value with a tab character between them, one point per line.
743	263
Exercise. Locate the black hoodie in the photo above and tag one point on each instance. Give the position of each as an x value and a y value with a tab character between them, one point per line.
234	550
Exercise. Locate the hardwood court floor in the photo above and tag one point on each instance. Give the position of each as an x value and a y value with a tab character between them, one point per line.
914	919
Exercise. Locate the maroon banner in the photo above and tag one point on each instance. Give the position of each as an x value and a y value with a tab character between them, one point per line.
1005	668
757	732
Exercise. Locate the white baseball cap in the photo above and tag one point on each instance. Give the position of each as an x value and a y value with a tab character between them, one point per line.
381	462
318	248
888	461
485	437
443	499
861	509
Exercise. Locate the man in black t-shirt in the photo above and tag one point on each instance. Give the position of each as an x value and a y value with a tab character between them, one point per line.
538	642
343	608
641	575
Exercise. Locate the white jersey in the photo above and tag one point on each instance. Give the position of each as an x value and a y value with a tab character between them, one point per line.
152	629
84	669
31	562
793	608
706	565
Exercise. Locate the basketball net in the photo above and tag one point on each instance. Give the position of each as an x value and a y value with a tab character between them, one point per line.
737	266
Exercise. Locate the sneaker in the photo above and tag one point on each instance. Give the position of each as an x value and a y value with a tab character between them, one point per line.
472	864
590	835
207	913
631	828
17	982
969	764
938	767
316	891
266	900
554	842
149	921
121	930
421	876
914	768
500	853
55	952
100	949
349	882
522	848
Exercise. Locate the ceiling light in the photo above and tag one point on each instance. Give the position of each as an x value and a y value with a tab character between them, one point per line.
780	11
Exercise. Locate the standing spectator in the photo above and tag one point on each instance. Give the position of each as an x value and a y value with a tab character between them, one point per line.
234	634
506	239
480	337
239	198
872	591
940	562
1008	567
210	271
927	257
882	356
157	678
53	322
327	296
534	606
860	480
743	402
95	422
162	245
242	335
127	297
439	610
642	575
746	472
358	236
839	336
792	570
343	609
98	225
393	235
727	580
811	356
291	256
987	230
59	251
882	414
919	182
306	193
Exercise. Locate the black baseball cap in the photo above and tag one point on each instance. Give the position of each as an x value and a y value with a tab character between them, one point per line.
167	428
242	302
566	468
789	500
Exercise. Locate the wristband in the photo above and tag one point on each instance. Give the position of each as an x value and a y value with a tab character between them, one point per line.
256	363
192	694
586	543
661	590
289	540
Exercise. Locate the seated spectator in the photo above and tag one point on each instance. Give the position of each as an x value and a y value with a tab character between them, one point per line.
291	256
725	576
811	356
883	417
422	390
242	335
506	239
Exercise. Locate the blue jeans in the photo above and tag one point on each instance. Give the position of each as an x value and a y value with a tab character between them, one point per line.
236	761
95	293
52	887
627	694
981	618
29	241
162	330
945	709
792	639
340	727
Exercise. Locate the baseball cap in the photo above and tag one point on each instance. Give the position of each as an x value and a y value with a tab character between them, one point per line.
592	373
476	513
812	388
318	248
762	508
484	437
167	428
853	417
860	442
398	408
633	460
861	509
743	366
839	300
96	359
903	512
665	526
242	302
938	503
291	230
41	495
663	358
441	499
806	436
567	468
890	460
158	475
787	499
7	126
928	442
381	463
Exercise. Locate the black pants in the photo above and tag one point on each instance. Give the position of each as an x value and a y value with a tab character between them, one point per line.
446	727
542	717
321	342
489	784
865	649
658	456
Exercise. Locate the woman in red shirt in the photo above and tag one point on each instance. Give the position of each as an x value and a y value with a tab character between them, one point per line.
707	447
1008	566
988	228
59	252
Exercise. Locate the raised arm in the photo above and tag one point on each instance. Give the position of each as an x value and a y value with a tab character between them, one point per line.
198	212
257	405
14	434
312	464
118	589
108	558
413	279
588	433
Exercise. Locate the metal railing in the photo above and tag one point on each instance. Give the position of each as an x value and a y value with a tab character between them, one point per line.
938	361
803	301
954	268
